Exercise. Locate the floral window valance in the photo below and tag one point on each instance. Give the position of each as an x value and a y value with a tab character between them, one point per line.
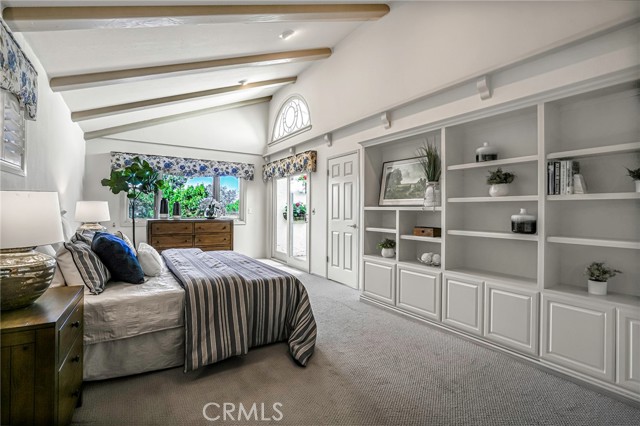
18	74
303	162
189	167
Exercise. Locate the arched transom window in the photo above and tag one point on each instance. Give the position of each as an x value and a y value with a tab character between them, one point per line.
293	118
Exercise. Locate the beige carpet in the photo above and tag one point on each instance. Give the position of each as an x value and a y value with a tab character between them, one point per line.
370	367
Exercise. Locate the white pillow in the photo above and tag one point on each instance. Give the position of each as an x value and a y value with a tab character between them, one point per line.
126	239
150	260
67	266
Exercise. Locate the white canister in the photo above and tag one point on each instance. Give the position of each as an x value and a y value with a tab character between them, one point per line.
486	153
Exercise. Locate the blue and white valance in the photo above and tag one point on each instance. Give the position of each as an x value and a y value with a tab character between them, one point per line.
18	74
303	162
189	167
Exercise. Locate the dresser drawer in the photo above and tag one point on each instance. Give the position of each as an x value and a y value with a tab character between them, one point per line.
70	382
204	227
171	228
70	330
176	241
213	240
214	248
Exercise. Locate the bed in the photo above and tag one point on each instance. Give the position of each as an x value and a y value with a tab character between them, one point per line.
206	307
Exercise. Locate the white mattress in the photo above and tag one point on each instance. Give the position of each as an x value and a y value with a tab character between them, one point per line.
127	310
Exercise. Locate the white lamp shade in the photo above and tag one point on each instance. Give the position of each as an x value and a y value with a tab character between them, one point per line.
92	211
29	219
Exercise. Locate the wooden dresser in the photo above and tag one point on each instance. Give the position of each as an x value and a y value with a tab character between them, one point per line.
42	359
205	234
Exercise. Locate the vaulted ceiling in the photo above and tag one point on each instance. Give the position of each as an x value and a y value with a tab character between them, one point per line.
125	67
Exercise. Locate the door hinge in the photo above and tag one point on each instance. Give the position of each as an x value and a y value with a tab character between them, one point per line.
327	172
327	259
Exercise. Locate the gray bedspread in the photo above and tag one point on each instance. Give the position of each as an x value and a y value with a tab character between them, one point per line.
233	303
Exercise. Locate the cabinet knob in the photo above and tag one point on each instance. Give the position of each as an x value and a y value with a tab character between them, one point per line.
75	358
75	324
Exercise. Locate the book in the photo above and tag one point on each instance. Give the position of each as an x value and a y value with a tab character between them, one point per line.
563	177
551	182
556	177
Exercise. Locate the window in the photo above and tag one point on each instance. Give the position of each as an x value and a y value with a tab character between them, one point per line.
292	119
12	149
193	194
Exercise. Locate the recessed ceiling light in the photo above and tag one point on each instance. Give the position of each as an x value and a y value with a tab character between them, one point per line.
286	34
243	82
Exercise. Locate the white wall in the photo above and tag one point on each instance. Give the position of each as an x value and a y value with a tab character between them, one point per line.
374	55
249	238
55	146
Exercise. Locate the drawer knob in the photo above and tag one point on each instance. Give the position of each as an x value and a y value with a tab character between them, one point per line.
75	324
75	358
75	393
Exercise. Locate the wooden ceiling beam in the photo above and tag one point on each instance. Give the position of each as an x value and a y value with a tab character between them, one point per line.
84	81
24	19
169	118
170	100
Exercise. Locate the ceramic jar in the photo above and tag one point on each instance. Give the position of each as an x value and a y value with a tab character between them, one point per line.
638	186
164	209
486	153
523	223
176	210
388	252
499	190
432	195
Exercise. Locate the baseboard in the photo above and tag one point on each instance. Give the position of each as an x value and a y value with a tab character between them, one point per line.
607	389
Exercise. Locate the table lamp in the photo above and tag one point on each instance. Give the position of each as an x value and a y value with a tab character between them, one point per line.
27	220
90	213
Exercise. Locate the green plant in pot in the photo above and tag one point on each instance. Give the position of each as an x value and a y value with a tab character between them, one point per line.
387	247
635	175
135	179
598	274
499	182
430	161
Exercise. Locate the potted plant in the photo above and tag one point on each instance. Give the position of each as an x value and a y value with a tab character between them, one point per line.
135	179
299	212
499	182
635	175
598	274
387	247
430	162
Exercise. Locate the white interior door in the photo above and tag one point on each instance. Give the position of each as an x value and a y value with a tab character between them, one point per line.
342	216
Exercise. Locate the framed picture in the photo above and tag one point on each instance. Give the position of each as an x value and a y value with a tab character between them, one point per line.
403	183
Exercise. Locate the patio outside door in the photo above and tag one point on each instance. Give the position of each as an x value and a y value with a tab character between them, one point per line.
291	220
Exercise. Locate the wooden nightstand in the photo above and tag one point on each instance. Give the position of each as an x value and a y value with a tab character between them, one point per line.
42	359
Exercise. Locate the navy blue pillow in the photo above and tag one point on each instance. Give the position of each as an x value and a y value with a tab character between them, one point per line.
118	257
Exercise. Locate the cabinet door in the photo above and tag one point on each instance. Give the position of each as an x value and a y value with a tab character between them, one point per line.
511	317
462	303
579	335
379	281
628	349
419	292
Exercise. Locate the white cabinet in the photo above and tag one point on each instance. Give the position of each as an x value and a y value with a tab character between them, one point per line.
419	292
379	281
462	303
511	317
579	335
628	349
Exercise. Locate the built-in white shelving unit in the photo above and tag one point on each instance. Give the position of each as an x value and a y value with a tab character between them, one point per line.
525	292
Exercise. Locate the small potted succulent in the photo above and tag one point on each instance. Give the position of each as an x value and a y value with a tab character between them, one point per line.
635	175
499	182
598	274
388	248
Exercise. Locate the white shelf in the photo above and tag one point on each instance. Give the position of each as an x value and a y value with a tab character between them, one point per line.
508	198
596	242
379	258
601	150
581	292
495	276
601	196
416	264
436	240
498	235
503	162
402	208
381	230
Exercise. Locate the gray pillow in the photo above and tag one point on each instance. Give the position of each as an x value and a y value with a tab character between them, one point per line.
92	271
150	260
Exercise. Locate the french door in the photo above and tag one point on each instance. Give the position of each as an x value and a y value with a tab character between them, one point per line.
291	220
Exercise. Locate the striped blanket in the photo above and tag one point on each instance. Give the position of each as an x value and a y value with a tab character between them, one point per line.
234	303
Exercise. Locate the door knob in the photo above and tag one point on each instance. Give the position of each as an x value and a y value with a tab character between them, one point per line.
353	226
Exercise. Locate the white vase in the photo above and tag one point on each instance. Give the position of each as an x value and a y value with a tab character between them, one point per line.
638	186
499	190
432	195
388	252
597	287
